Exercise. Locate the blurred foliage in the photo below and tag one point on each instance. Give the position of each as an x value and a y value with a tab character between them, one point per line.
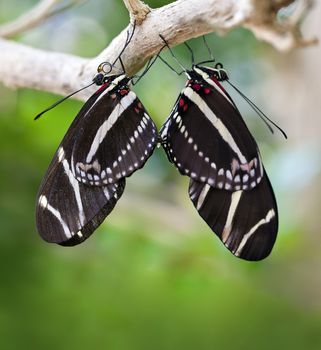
153	276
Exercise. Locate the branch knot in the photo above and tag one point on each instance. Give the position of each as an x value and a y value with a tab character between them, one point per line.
138	10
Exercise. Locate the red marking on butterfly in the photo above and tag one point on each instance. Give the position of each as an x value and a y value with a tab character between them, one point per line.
185	107
181	102
103	87
207	91
196	87
136	110
218	83
123	92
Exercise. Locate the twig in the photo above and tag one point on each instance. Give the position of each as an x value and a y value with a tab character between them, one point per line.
137	10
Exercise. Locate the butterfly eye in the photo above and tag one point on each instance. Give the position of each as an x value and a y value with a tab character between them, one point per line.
99	79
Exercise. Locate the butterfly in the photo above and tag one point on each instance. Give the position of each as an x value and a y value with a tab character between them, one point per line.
206	138
111	137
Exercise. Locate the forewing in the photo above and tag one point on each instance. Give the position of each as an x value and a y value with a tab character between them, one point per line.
245	221
207	139
116	138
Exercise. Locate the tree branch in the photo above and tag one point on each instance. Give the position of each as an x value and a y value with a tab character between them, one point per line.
30	19
22	66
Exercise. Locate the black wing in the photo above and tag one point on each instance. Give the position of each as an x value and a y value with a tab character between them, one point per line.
116	138
245	221
207	139
68	211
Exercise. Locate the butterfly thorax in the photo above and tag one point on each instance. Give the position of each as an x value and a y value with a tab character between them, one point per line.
218	73
114	84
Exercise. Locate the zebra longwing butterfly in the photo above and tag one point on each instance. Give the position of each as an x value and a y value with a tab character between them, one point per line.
111	137
206	138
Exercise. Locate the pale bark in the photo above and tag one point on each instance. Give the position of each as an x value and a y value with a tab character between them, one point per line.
24	66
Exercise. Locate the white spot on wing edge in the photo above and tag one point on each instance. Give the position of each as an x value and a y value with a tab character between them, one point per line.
245	178
43	201
221	172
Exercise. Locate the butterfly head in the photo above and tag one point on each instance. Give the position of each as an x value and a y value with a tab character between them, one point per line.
109	81
218	72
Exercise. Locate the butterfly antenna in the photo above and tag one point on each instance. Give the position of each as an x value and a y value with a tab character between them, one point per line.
149	64
175	58
128	40
170	67
100	70
62	100
212	60
208	49
192	53
260	113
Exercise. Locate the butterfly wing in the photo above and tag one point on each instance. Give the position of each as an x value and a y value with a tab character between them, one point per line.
116	138
207	139
245	221
68	211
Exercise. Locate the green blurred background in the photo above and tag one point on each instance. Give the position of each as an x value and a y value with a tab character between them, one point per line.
153	276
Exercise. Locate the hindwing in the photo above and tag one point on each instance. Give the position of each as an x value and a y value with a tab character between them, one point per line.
245	221
69	211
